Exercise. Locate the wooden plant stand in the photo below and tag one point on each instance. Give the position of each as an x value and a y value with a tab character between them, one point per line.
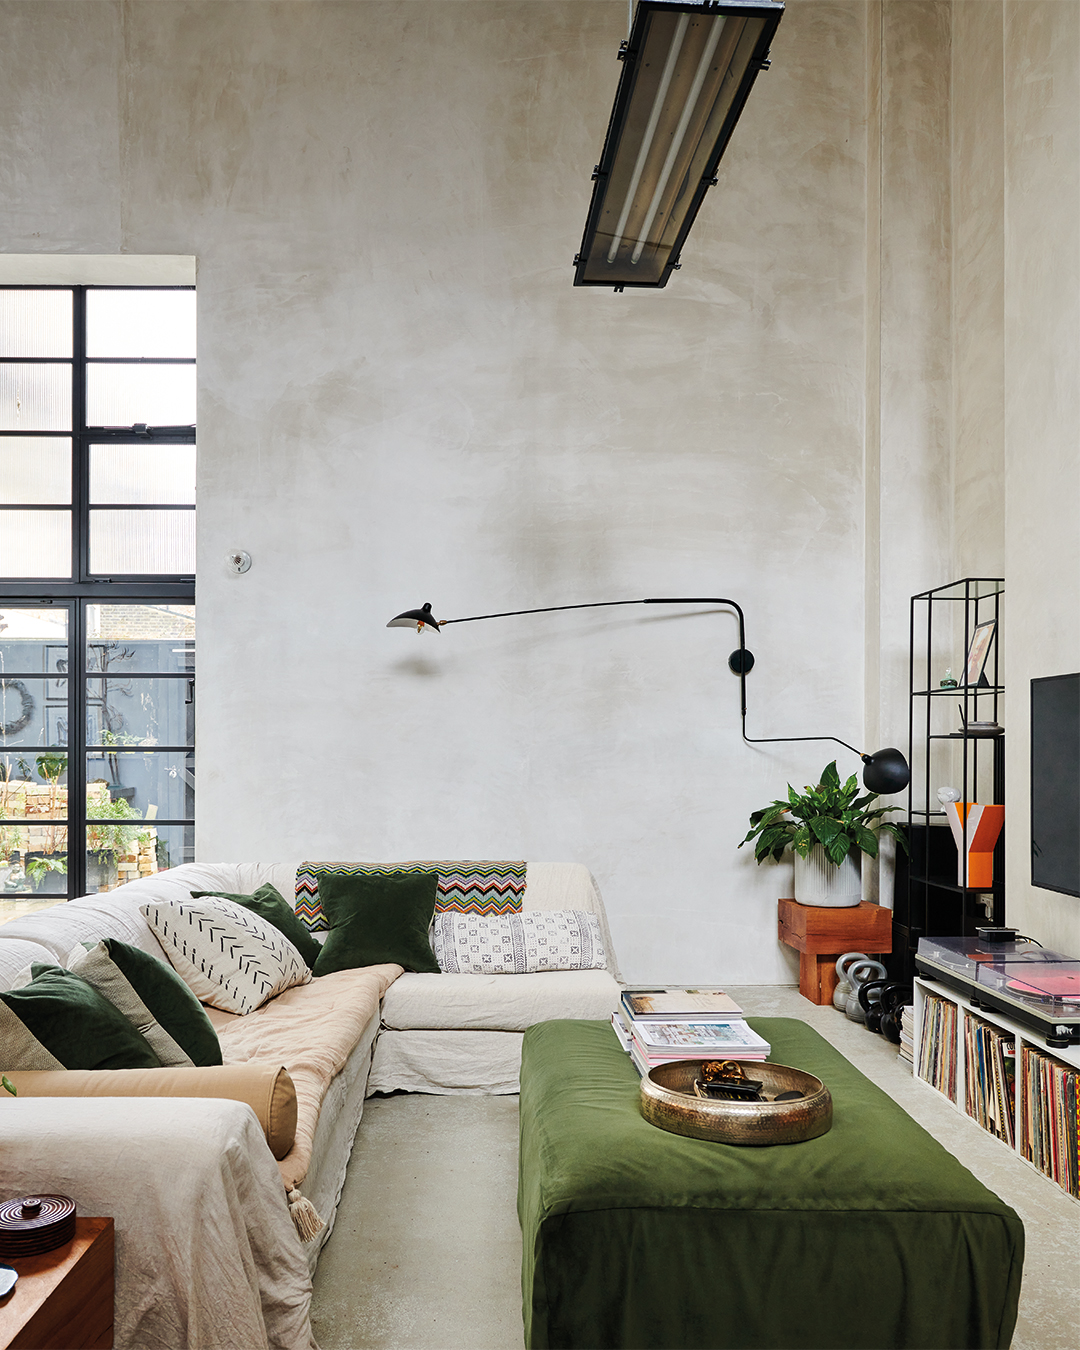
64	1298
820	935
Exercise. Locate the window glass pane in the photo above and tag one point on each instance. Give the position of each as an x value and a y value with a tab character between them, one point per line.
142	473
36	398
118	850
33	835
34	642
27	718
35	469
140	712
31	869
124	639
121	395
152	782
35	323
35	544
142	542
140	323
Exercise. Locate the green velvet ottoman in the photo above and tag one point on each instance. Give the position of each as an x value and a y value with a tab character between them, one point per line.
872	1237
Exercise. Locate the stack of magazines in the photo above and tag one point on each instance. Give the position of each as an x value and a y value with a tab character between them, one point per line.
907	1035
656	1026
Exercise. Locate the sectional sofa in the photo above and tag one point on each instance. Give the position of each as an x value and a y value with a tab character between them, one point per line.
200	1186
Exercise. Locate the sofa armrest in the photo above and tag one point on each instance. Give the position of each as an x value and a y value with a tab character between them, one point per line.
266	1088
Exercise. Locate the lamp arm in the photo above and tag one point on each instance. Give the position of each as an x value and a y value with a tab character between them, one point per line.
656	600
544	609
773	740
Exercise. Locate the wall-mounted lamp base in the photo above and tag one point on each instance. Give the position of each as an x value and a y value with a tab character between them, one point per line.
741	661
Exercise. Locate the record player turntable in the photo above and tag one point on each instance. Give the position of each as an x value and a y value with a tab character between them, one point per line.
1036	987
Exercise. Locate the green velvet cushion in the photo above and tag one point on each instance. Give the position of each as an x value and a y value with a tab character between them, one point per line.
154	999
269	904
377	918
58	1021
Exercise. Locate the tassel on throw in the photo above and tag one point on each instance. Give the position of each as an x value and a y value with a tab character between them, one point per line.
304	1215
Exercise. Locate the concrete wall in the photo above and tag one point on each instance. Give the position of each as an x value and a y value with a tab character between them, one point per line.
404	399
1042	408
1016	369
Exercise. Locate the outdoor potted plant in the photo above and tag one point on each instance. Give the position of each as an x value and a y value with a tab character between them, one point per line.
828	828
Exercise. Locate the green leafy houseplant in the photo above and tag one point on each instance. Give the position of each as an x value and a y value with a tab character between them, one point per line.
831	814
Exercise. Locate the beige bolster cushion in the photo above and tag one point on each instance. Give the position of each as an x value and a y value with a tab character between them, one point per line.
267	1089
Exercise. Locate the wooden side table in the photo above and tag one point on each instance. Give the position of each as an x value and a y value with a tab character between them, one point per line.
64	1299
821	935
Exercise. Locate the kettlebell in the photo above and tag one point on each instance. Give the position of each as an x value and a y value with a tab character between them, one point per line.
870	995
843	987
858	974
894	999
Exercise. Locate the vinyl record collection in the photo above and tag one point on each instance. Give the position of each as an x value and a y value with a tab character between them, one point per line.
937	1053
990	1077
1049	1117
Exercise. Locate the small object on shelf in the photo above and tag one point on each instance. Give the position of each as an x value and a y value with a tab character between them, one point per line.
975	827
948	680
977	728
978	651
9	1277
996	934
668	1101
33	1224
948	794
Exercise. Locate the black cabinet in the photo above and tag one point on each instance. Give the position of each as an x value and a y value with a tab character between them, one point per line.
954	742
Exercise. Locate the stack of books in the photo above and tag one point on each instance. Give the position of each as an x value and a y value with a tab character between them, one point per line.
656	1026
907	1035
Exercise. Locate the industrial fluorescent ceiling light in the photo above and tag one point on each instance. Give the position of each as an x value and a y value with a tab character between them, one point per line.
687	72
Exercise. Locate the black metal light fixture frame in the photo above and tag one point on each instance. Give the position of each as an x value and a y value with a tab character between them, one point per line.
688	69
885	771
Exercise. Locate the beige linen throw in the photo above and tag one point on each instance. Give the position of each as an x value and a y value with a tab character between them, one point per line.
311	1029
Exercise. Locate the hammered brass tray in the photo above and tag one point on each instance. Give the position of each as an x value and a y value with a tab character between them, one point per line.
668	1101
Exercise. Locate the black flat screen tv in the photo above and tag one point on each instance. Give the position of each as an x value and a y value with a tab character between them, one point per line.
1055	783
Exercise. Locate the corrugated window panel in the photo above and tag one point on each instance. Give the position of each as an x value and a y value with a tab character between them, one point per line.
121	395
35	323
140	323
157	543
35	544
35	398
35	470
143	473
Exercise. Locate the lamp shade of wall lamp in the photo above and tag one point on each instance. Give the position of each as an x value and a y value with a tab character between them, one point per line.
885	771
687	72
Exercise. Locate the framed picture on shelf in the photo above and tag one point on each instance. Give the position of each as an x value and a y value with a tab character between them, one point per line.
978	651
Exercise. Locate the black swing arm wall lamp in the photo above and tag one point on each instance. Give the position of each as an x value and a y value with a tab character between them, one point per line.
884	771
687	71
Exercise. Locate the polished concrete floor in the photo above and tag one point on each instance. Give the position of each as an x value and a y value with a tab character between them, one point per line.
425	1254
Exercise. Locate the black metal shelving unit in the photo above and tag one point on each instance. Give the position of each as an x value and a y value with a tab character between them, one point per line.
933	899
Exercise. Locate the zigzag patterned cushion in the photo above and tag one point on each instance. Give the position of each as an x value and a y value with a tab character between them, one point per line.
464	887
518	944
226	955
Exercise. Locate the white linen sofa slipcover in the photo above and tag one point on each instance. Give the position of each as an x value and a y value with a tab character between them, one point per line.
438	1033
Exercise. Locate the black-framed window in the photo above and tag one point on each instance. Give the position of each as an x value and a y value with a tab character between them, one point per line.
97	586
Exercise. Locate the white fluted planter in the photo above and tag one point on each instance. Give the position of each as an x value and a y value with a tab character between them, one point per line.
819	881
